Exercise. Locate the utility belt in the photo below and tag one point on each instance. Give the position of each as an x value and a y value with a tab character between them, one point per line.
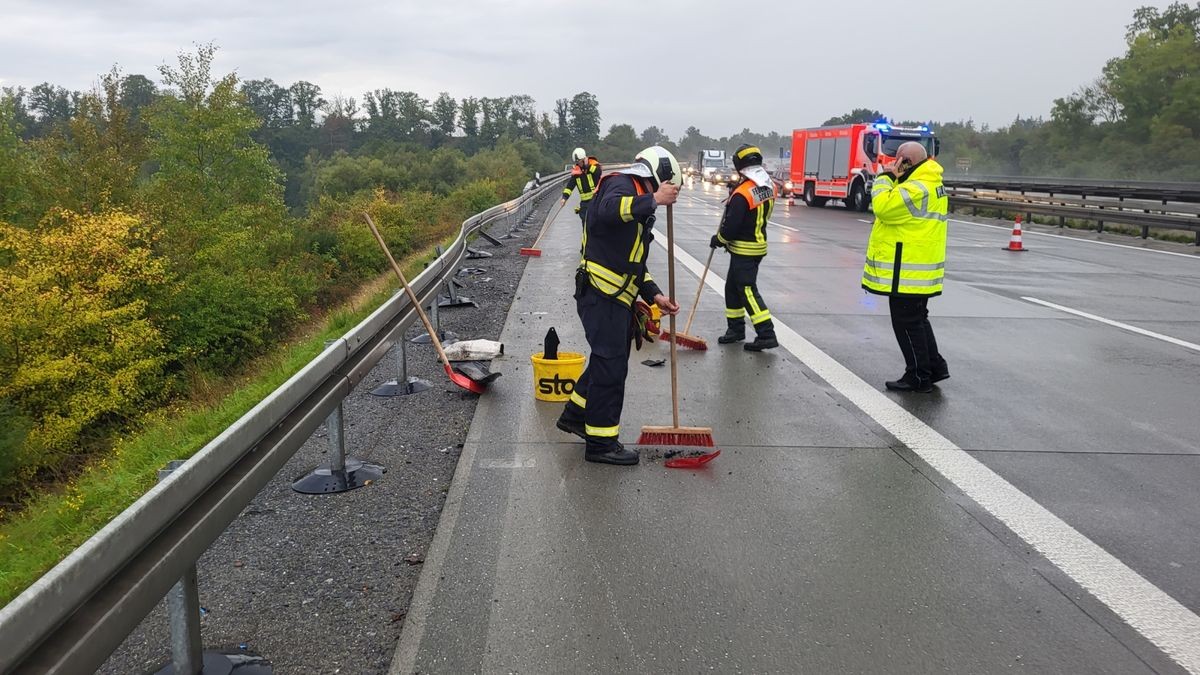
622	288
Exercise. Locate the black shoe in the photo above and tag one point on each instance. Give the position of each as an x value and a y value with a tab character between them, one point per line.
732	336
760	343
611	454
938	377
571	427
903	384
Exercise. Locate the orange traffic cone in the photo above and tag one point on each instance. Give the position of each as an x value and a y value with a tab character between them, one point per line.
1014	242
791	200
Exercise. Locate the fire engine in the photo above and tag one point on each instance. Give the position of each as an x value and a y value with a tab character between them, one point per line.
839	162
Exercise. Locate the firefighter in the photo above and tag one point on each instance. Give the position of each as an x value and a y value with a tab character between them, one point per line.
743	233
585	176
610	278
906	259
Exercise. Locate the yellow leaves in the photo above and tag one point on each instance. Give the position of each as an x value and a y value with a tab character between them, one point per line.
80	347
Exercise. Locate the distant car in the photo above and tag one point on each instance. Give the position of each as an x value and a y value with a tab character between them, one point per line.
722	176
783	181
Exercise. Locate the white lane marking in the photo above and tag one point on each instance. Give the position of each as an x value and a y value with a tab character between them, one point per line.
864	221
1160	618
1085	241
786	227
1117	324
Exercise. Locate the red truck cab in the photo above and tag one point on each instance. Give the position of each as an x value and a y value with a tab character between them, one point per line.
840	162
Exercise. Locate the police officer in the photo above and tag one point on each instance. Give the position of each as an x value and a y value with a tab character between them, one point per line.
612	274
906	259
743	233
585	176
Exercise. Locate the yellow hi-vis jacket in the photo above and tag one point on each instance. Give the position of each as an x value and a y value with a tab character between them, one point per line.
906	254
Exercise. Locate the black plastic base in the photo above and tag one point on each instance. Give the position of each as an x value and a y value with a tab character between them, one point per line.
228	663
459	301
324	480
414	385
445	336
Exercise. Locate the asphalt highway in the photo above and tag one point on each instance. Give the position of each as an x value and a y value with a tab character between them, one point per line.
1038	512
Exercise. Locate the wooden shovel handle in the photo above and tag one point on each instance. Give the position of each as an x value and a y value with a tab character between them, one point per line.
433	337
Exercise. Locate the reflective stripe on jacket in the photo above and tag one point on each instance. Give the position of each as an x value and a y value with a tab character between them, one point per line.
906	254
744	223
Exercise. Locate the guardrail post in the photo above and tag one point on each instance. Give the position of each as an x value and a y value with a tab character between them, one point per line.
343	473
435	317
183	612
403	385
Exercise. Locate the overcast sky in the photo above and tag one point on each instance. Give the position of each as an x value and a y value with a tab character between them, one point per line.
721	66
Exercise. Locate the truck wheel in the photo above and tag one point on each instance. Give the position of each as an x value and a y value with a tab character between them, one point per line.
811	198
857	201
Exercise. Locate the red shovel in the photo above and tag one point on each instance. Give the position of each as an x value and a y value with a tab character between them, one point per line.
455	376
691	462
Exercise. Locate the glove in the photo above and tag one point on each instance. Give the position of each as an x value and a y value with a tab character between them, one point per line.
715	242
645	328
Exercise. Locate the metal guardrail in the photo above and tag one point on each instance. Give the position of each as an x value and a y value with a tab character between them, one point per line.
1118	189
1145	209
70	620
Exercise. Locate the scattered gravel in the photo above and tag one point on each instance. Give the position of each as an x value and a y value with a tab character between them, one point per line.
321	584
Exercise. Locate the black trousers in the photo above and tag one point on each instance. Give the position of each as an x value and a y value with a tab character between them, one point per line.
910	322
583	209
599	394
742	297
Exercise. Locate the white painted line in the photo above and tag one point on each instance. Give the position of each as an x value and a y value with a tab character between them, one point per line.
1160	618
786	227
1117	324
1008	228
865	221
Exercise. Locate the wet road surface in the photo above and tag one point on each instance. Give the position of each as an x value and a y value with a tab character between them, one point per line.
1038	512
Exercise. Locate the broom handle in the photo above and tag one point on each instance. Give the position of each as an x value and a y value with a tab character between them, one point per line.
546	224
671	287
437	344
687	330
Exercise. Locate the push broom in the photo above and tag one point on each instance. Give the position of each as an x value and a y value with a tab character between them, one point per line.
455	376
532	249
676	435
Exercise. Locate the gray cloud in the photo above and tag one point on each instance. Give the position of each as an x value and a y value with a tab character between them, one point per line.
720	66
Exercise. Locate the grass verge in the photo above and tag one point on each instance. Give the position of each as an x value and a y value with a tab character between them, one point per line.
53	525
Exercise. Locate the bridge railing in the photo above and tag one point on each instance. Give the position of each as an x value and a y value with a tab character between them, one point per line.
72	618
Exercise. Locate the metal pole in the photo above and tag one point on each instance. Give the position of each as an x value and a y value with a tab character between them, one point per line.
403	364
183	613
337	434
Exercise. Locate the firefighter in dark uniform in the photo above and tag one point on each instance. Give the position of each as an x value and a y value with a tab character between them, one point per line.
611	276
743	233
585	177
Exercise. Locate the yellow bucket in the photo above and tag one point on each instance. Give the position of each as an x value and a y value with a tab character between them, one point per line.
554	379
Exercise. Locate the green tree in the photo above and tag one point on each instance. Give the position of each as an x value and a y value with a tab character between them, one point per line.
306	97
854	116
443	113
585	119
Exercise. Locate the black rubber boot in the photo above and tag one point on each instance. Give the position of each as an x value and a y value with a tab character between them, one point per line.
909	384
570	423
611	453
571	426
736	332
762	341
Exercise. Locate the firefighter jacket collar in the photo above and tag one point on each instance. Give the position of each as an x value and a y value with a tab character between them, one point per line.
759	175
